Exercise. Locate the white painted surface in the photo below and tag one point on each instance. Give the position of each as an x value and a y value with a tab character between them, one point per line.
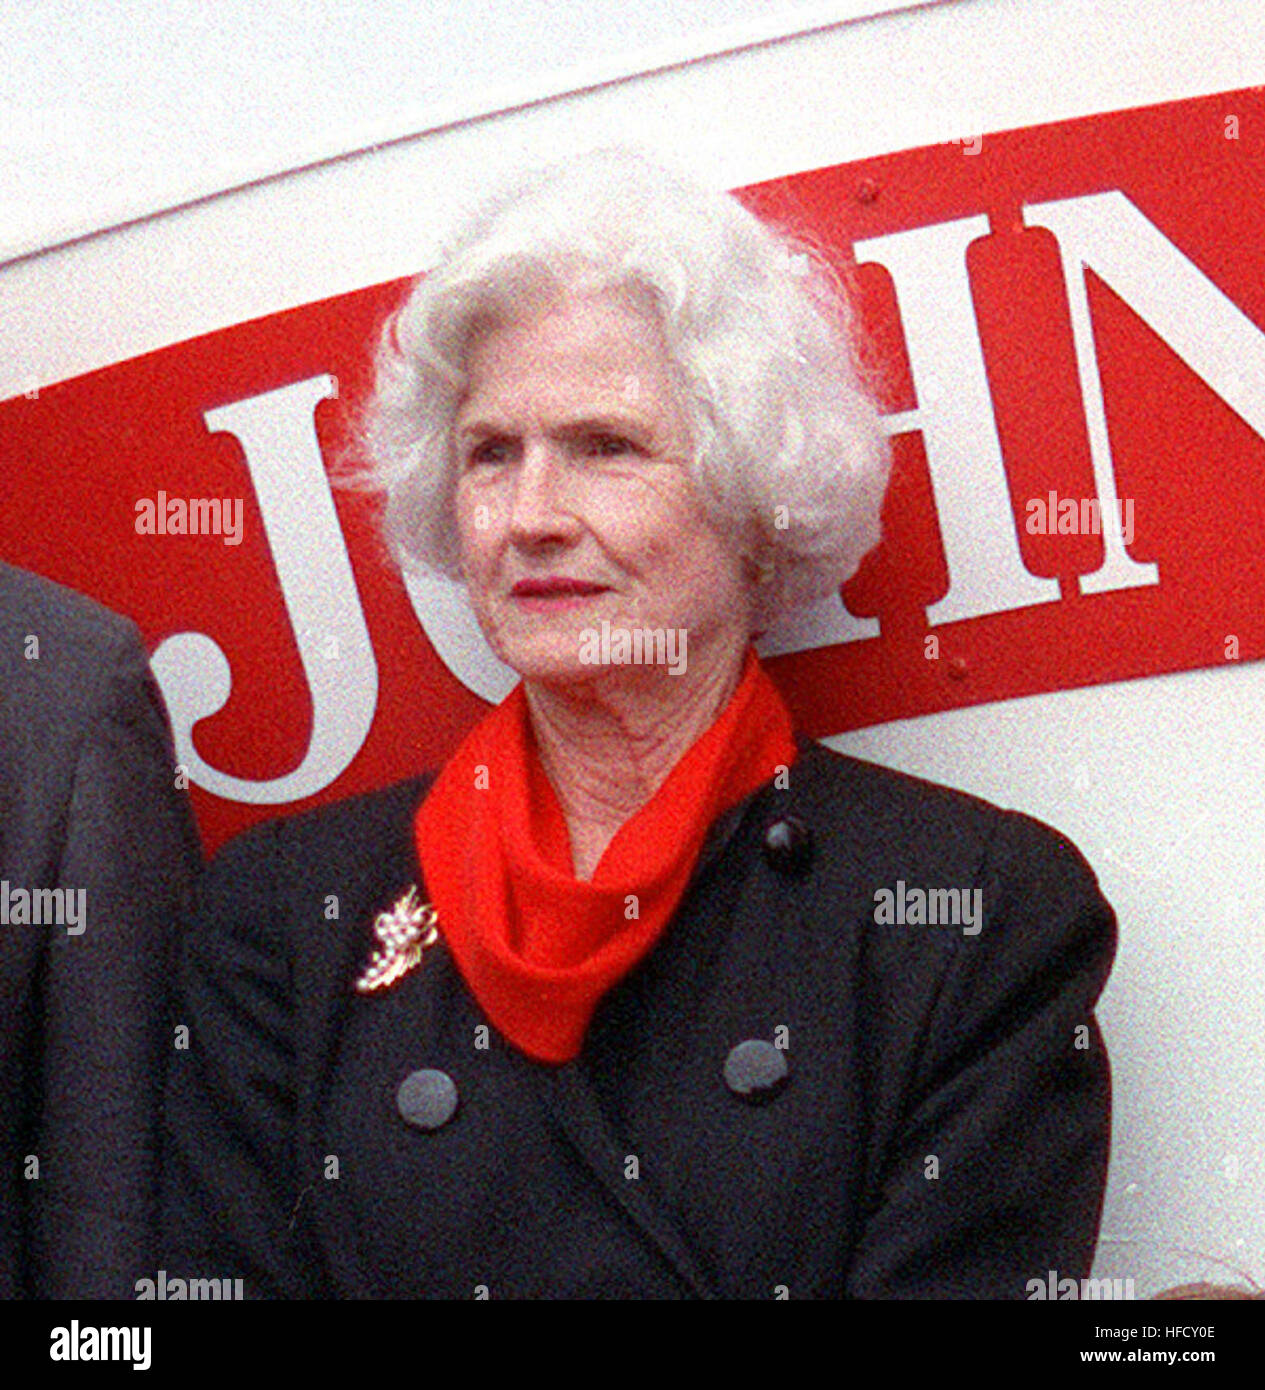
1158	781
118	108
899	81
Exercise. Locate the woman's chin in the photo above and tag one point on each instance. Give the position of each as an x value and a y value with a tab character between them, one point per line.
562	668
551	660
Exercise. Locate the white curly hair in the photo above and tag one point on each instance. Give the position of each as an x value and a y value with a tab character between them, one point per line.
788	450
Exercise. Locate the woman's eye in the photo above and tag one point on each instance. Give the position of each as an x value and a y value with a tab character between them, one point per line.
488	451
610	446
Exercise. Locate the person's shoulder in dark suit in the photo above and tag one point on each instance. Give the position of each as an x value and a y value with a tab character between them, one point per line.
95	836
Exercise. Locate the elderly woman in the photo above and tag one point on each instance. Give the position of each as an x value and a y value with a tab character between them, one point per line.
611	1006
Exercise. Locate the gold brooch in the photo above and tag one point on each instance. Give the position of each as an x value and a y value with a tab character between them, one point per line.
403	933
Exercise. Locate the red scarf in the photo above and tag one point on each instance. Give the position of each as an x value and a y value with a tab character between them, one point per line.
538	947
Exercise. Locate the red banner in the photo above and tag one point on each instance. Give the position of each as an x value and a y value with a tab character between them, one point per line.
1069	324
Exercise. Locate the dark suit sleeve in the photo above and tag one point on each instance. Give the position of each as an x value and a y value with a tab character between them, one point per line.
229	1174
997	1173
130	844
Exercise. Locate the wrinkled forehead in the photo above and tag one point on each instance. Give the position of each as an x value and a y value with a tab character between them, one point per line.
578	351
587	327
524	295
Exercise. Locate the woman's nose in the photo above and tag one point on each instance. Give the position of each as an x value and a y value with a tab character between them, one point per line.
539	510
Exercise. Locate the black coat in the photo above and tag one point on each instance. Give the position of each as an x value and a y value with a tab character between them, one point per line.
943	1131
87	803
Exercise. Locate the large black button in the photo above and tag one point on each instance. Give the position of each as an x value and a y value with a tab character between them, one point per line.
427	1098
788	845
756	1070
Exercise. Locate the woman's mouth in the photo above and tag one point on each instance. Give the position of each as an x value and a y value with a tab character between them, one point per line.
553	593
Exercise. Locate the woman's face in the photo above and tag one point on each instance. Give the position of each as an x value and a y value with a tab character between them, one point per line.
574	504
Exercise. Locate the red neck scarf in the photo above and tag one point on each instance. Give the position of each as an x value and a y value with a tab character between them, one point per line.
537	947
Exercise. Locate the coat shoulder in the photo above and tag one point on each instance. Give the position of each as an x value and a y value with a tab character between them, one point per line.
29	601
356	829
887	814
81	644
275	875
842	776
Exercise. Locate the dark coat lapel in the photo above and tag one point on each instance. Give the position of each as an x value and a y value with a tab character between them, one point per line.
571	1101
370	882
704	925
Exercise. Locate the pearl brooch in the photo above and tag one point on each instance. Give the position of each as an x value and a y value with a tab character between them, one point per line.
403	934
